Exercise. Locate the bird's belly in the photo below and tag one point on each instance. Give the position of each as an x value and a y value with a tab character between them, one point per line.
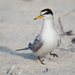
47	47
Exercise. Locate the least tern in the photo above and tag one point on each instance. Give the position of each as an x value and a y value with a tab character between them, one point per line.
48	39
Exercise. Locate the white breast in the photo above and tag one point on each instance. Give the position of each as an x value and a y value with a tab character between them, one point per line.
50	38
50	43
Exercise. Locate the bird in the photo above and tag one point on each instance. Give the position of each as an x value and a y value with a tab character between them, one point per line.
48	39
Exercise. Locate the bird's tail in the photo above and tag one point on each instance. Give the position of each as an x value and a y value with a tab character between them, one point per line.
22	49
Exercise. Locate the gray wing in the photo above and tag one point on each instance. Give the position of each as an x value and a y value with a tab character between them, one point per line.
37	44
59	41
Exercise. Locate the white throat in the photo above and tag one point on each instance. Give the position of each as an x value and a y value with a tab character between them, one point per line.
48	26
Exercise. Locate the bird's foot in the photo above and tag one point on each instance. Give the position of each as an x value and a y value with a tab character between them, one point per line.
54	55
41	61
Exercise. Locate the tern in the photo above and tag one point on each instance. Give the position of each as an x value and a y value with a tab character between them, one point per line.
48	39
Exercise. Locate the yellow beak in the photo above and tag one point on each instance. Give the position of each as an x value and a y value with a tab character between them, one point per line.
40	16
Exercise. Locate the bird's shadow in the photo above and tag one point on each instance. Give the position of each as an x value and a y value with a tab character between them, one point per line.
15	53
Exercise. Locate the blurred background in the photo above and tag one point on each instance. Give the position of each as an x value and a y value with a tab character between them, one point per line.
17	24
18	28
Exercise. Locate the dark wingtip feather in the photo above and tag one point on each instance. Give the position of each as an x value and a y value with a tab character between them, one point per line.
22	49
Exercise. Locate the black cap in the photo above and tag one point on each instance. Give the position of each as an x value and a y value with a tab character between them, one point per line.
48	11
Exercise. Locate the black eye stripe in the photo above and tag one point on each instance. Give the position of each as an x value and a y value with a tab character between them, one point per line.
48	11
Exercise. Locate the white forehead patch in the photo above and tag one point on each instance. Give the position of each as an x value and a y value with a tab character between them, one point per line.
41	13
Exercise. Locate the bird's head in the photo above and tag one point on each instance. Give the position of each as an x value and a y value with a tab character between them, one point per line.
45	14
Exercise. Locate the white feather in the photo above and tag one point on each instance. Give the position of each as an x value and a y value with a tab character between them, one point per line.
49	35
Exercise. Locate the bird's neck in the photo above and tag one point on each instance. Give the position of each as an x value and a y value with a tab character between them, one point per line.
48	26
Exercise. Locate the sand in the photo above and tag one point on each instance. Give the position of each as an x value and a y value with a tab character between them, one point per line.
17	29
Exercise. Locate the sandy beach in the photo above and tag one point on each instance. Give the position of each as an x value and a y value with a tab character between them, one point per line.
18	28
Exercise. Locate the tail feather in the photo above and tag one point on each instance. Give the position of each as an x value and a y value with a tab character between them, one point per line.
22	49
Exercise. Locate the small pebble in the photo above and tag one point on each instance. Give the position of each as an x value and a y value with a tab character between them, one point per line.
73	41
46	69
17	68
